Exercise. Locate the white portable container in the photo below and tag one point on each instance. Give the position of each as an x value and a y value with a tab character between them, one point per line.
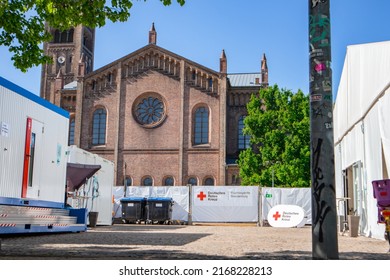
33	144
97	193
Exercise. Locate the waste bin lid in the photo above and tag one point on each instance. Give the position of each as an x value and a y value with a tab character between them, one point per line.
159	199
127	199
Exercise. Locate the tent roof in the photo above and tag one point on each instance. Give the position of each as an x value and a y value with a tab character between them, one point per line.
365	77
77	174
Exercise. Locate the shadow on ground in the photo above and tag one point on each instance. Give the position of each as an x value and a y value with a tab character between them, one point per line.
118	253
124	242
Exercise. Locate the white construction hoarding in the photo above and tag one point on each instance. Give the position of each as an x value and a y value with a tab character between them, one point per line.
271	197
224	204
180	196
220	204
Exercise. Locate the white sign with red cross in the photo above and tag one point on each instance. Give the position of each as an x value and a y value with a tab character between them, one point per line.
286	216
224	204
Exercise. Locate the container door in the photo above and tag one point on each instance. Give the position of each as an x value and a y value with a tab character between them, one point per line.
32	159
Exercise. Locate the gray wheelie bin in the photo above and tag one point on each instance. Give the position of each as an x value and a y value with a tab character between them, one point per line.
133	209
159	209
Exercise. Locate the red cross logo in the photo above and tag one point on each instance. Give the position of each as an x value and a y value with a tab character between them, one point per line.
201	196
276	215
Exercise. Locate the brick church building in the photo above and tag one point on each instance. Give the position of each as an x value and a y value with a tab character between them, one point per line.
161	118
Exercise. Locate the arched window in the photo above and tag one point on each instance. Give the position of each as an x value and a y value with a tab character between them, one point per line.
243	139
64	36
99	127
147	181
93	85
128	181
209	182
57	36
201	126
88	65
109	78
192	181
168	181
70	35
71	131
234	179
210	81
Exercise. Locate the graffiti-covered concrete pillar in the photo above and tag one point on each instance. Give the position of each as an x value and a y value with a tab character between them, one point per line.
324	216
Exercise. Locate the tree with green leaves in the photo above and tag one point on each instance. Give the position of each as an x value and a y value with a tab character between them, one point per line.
22	23
278	122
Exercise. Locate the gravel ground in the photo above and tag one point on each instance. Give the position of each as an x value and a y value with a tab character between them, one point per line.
196	242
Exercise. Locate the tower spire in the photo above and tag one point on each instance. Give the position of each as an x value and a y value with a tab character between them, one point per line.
153	35
264	70
223	63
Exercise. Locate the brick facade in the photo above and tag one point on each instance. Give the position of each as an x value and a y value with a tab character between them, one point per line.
141	138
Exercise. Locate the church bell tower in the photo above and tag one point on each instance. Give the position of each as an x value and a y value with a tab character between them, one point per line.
67	48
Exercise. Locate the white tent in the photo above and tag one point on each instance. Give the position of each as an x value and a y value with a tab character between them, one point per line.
362	132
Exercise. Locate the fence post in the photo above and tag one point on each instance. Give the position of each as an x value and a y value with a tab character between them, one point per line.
260	207
189	186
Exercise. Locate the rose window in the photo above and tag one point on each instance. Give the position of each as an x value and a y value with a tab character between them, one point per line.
149	111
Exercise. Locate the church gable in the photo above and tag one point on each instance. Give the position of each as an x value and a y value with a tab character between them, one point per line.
153	58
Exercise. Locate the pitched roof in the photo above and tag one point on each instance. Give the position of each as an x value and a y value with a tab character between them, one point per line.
155	48
71	86
245	80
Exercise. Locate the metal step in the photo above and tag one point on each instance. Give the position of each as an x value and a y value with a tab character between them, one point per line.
27	210
26	215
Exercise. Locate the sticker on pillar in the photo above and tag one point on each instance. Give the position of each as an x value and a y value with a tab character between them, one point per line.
286	216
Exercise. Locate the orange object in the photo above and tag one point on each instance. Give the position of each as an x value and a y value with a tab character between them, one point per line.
386	213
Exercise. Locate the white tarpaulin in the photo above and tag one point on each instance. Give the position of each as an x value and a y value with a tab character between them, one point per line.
361	130
271	197
216	204
180	196
224	204
384	124
365	75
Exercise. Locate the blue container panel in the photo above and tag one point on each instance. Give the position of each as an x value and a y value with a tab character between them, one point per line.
41	229
81	214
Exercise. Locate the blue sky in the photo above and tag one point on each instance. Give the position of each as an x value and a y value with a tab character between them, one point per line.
245	29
